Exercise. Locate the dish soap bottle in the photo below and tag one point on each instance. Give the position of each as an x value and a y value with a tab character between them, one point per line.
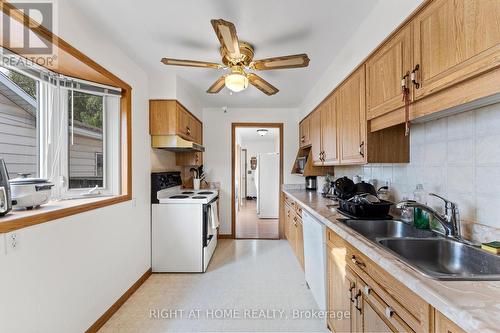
420	217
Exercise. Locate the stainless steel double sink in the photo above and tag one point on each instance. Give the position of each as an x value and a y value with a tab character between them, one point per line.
428	253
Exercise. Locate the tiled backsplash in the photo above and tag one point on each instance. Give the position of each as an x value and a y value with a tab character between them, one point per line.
457	157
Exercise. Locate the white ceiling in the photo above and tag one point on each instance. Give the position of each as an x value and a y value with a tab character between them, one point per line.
150	30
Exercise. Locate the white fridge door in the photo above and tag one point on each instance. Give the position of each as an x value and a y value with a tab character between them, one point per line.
269	185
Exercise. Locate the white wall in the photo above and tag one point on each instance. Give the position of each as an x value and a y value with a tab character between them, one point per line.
217	141
456	157
255	147
383	19
66	273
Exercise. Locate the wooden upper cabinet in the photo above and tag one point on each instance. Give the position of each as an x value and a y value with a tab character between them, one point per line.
454	41
328	115
352	118
315	134
304	130
162	117
384	71
169	117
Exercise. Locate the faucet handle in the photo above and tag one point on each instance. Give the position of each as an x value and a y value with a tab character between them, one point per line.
447	203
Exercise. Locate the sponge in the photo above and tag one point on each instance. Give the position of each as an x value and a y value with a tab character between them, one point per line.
493	247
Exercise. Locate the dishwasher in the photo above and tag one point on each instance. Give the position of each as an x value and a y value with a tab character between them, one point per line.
315	258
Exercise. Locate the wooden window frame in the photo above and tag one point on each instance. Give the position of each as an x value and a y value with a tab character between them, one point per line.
76	64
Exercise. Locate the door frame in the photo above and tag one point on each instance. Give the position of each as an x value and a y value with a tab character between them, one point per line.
279	126
245	170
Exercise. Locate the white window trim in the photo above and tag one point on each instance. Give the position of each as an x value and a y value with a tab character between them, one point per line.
56	148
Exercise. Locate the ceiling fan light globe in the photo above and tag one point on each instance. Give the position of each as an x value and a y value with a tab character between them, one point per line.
236	82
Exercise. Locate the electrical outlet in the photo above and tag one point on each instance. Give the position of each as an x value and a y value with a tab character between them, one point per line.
12	242
134	202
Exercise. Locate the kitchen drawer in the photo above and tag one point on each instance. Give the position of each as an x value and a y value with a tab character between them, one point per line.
298	210
385	312
332	237
414	311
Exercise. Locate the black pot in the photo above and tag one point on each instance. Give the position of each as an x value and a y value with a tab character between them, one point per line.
365	188
366	210
344	188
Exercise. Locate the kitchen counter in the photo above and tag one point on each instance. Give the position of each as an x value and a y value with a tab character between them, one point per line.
472	305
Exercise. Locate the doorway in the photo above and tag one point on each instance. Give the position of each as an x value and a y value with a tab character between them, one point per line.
257	176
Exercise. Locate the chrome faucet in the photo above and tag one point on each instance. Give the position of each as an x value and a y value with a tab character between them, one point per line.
450	220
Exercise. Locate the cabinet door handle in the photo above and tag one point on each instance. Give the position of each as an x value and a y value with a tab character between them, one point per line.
367	290
413	76
389	312
188	130
357	303
358	263
351	288
362	149
303	139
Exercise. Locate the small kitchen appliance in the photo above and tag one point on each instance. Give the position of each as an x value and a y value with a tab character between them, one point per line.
5	194
30	193
311	183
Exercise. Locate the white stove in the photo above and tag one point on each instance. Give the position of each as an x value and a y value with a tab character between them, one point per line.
184	225
185	196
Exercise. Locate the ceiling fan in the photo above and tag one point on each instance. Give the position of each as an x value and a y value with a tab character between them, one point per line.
237	56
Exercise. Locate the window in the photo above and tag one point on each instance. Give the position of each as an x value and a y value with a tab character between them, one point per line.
86	144
62	129
19	123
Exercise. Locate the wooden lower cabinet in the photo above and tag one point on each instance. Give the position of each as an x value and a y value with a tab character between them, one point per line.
293	228
299	242
375	301
444	325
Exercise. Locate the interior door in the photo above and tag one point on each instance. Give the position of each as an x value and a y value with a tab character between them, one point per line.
329	132
315	134
384	72
455	40
352	115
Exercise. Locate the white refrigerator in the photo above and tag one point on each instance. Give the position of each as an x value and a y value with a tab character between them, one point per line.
268	185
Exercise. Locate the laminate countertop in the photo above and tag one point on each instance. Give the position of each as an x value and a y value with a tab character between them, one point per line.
472	305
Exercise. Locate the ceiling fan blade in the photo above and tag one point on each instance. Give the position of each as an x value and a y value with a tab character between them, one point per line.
262	84
226	33
217	86
291	61
190	63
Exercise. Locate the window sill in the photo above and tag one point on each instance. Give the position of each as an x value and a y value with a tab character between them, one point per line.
53	210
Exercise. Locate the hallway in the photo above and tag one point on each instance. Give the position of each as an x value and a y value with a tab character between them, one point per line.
261	276
249	225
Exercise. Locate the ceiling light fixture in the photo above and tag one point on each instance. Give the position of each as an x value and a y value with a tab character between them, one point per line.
262	132
237	80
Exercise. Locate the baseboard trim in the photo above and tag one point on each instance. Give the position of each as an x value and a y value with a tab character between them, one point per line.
113	308
229	236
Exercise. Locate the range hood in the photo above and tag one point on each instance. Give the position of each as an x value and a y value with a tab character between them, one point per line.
175	143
